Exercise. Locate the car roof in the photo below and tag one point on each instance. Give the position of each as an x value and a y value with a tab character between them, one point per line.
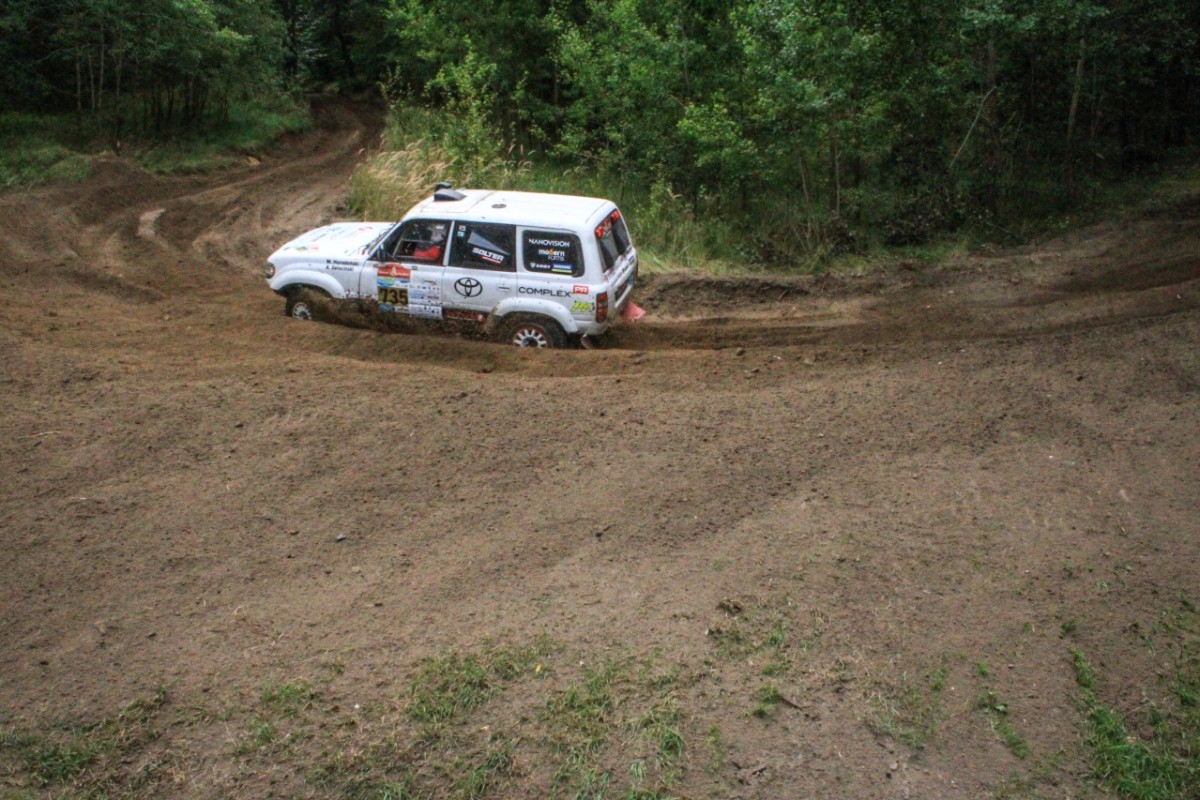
515	208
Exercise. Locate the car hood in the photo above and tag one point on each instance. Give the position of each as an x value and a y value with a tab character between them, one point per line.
344	240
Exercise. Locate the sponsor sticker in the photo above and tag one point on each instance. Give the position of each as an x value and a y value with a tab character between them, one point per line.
394	271
487	255
425	311
543	292
464	314
577	289
424	293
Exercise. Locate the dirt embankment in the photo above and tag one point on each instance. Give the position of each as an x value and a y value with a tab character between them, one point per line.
810	537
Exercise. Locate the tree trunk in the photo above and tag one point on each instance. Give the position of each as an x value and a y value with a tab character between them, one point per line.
91	84
116	133
78	91
992	115
343	42
1071	116
835	174
103	59
808	203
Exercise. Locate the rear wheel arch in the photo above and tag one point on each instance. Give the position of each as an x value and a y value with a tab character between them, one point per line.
531	330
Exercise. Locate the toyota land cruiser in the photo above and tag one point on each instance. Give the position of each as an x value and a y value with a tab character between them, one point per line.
537	270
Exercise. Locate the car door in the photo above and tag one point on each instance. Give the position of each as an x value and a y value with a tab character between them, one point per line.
404	272
481	270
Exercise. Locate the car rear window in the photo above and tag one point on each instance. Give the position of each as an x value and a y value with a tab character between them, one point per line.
552	253
613	237
480	246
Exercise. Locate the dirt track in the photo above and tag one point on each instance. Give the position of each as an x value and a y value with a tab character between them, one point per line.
934	483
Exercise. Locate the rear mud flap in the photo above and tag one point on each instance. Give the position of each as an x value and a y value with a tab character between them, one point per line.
632	312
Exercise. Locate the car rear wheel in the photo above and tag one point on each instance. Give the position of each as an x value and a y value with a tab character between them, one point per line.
532	331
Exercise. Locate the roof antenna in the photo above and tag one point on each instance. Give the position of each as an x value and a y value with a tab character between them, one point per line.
443	185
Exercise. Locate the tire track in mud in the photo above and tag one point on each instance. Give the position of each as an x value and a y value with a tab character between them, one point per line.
147	238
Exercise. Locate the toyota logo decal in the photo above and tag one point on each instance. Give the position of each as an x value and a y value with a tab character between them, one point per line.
468	287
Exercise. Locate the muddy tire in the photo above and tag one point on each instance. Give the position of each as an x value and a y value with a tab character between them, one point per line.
300	305
531	330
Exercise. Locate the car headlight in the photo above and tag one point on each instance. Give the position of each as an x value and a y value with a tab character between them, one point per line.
269	272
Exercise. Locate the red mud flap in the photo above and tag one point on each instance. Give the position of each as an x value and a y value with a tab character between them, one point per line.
632	312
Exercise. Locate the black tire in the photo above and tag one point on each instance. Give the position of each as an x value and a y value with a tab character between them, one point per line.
531	330
300	304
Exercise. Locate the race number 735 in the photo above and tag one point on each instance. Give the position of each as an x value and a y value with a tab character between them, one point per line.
390	295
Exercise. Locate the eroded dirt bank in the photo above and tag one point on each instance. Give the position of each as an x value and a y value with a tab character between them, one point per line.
807	525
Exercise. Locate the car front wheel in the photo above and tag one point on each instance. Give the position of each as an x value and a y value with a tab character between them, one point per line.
299	305
531	331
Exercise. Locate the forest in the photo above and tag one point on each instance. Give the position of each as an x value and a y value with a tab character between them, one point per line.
771	131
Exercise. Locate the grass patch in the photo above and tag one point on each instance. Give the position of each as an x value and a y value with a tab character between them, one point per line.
910	714
501	720
757	633
261	736
86	758
448	686
1153	753
248	131
590	717
38	148
716	747
288	699
769	699
487	777
492	717
997	712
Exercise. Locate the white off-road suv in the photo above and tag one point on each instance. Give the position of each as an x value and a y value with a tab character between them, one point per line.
539	270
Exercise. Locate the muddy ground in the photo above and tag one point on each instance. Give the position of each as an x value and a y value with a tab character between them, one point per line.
841	536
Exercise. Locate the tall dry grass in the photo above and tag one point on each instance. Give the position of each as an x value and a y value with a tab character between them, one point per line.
392	182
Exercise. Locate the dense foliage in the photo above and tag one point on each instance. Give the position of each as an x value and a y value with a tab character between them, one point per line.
811	120
147	65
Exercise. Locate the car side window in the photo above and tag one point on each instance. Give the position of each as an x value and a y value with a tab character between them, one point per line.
613	238
420	240
483	246
552	253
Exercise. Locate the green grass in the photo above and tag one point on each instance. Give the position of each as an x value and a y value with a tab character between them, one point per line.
910	712
1152	753
769	699
83	756
497	721
248	132
591	716
486	778
448	686
262	735
38	148
997	712
288	699
758	632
